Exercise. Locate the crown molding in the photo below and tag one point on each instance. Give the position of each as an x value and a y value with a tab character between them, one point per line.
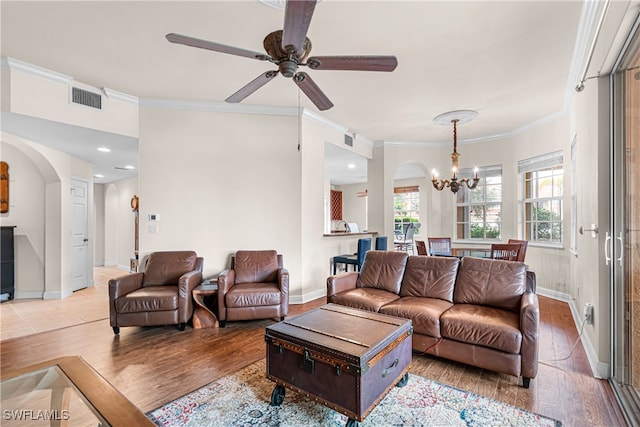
17	65
221	107
120	96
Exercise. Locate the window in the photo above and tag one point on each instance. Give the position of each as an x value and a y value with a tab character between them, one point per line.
479	211
406	208
542	179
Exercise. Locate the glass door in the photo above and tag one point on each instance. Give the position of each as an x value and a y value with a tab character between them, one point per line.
625	241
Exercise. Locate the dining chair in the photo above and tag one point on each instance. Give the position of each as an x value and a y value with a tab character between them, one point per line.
523	247
364	245
421	247
405	243
439	246
505	251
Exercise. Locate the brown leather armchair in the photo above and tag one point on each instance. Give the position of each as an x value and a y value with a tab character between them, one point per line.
161	295
256	286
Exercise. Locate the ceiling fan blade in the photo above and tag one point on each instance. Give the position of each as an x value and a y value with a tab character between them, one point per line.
252	86
357	63
313	92
217	47
297	18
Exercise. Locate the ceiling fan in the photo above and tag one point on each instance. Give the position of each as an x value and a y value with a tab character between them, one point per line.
289	49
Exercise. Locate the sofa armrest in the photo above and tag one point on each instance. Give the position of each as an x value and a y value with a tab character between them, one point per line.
186	284
123	285
226	279
529	325
119	287
283	282
341	282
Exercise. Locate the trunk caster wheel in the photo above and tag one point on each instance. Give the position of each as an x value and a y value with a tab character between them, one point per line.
403	381
277	395
352	423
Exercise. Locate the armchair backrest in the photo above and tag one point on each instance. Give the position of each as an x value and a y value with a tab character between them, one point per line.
165	268
256	266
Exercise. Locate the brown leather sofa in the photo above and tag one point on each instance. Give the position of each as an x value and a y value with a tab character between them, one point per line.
477	311
161	295
256	286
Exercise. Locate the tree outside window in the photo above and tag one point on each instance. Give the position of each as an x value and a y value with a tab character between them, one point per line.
479	211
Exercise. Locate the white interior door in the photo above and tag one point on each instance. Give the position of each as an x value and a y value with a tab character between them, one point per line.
79	235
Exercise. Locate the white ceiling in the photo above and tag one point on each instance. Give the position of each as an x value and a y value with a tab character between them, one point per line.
512	61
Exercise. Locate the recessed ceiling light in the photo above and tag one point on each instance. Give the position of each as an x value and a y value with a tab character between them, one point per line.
129	167
351	166
104	149
98	176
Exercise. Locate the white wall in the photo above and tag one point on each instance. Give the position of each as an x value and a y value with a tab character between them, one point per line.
26	208
57	170
119	223
221	182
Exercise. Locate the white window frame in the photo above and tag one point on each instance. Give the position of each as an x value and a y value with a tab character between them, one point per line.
536	166
464	204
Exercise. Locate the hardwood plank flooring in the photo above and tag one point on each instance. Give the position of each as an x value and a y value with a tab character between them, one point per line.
154	365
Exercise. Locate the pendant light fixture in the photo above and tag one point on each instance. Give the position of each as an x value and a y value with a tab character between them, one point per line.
455	118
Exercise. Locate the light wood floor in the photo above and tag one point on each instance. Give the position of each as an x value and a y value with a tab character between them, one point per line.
152	366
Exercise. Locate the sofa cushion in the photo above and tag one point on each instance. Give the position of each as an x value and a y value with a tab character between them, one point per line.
253	295
490	282
430	276
147	299
486	326
383	270
364	298
256	266
424	313
165	268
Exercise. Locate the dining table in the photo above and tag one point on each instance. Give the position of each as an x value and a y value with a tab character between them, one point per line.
480	252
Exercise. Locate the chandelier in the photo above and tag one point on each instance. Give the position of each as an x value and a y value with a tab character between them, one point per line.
455	117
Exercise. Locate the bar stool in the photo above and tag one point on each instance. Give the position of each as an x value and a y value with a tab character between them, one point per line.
381	243
364	245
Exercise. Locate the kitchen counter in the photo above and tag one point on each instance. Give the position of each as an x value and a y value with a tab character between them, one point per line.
348	233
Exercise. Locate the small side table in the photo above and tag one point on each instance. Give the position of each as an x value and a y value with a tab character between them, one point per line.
203	317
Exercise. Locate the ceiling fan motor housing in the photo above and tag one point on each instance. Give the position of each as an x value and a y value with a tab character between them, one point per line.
287	61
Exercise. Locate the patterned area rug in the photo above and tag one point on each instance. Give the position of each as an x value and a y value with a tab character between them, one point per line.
242	399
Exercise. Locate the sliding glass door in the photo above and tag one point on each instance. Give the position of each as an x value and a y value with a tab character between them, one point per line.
625	240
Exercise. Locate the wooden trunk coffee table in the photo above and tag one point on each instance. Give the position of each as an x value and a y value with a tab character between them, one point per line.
344	358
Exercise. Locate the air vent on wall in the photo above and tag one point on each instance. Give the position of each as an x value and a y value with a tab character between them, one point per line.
348	140
84	97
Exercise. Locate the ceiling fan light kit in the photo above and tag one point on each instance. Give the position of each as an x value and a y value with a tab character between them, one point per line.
445	119
288	49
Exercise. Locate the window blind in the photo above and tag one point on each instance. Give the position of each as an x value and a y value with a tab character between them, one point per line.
544	161
409	189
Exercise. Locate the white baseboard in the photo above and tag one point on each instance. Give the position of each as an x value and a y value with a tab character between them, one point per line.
599	369
319	293
57	294
28	295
